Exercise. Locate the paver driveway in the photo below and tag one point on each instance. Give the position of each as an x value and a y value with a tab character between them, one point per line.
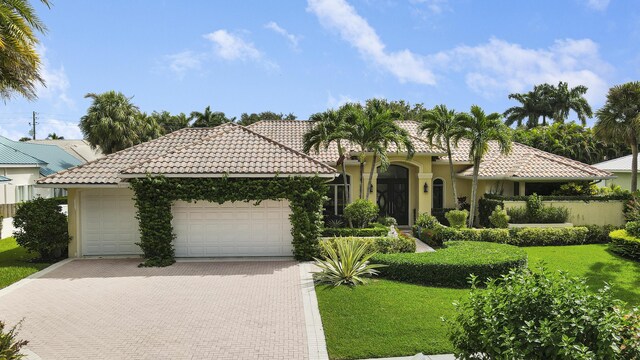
111	309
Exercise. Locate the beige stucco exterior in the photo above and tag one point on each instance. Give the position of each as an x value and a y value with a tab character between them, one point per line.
623	179
586	213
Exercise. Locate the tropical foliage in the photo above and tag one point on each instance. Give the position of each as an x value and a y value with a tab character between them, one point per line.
19	61
479	129
248	119
114	123
346	263
619	121
168	122
209	118
549	102
10	345
361	212
42	228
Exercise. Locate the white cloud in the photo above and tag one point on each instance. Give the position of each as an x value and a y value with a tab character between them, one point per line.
69	130
500	67
56	82
339	15
291	38
433	6
184	61
334	103
232	47
599	5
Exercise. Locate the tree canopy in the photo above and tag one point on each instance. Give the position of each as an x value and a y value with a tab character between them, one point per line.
209	118
248	119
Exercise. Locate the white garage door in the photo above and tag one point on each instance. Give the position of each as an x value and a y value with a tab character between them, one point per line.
206	229
108	223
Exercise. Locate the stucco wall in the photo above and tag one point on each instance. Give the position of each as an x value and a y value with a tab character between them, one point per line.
586	213
623	180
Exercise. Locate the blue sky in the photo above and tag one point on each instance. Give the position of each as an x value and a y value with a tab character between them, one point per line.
306	56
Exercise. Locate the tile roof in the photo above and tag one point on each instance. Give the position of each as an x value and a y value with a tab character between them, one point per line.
525	162
54	159
234	150
159	153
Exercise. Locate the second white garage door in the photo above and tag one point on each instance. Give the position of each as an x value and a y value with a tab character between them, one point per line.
206	229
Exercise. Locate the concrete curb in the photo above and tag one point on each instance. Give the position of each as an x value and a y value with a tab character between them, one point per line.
316	343
33	276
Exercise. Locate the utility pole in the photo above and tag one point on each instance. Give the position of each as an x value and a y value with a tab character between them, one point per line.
33	124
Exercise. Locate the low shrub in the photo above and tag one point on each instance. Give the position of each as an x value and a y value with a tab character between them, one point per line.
544	215
631	209
452	265
577	188
597	234
346	263
548	236
427	236
499	218
440	214
428	221
388	221
42	228
9	344
624	244
376	230
485	208
518	215
527	315
381	244
361	212
457	218
633	228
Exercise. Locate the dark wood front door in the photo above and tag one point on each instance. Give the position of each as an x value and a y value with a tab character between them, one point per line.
393	193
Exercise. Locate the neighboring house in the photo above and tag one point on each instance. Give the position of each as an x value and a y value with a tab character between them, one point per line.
21	164
621	168
80	149
102	217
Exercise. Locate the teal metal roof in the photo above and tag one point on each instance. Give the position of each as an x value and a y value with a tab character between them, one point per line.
4	178
50	157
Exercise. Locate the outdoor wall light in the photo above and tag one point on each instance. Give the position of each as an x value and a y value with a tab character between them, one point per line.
426	187
371	188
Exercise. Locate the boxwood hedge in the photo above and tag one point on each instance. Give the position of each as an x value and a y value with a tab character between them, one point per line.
381	244
624	244
452	265
376	230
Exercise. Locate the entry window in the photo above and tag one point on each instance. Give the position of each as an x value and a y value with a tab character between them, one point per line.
335	205
516	188
438	194
24	193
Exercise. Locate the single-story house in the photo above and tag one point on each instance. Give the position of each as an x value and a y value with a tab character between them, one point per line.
21	164
620	168
102	214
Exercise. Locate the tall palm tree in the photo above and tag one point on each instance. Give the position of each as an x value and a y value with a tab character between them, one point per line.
373	129
480	129
329	127
566	99
529	109
441	126
208	118
619	121
19	61
114	123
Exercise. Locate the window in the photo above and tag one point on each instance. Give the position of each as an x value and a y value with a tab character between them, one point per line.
335	205
438	194
59	192
516	189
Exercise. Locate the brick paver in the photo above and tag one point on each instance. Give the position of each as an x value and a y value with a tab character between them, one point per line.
111	309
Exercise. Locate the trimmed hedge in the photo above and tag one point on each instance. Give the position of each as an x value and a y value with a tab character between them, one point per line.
624	244
599	234
381	245
585	198
452	265
377	230
633	228
523	236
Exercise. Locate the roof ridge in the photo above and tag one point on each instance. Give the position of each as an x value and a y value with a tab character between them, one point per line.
173	151
24	153
107	156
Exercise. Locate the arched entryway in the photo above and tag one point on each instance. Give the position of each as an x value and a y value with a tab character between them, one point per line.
393	193
438	194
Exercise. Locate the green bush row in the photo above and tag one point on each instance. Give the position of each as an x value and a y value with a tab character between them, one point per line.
452	265
382	244
561	197
625	244
377	230
633	228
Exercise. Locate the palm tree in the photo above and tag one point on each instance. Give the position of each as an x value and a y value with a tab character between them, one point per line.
373	129
566	99
441	126
170	123
113	123
19	61
480	129
529	109
208	118
619	122
54	136
329	127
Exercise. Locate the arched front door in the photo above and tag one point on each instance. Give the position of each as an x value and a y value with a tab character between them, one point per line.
393	193
438	194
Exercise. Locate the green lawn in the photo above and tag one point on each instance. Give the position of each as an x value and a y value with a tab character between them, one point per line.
388	318
595	263
14	263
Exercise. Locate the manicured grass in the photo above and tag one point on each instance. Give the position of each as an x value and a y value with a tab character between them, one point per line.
386	318
593	262
14	263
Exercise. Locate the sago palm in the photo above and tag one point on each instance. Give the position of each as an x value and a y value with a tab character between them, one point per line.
441	125
619	121
480	129
19	61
